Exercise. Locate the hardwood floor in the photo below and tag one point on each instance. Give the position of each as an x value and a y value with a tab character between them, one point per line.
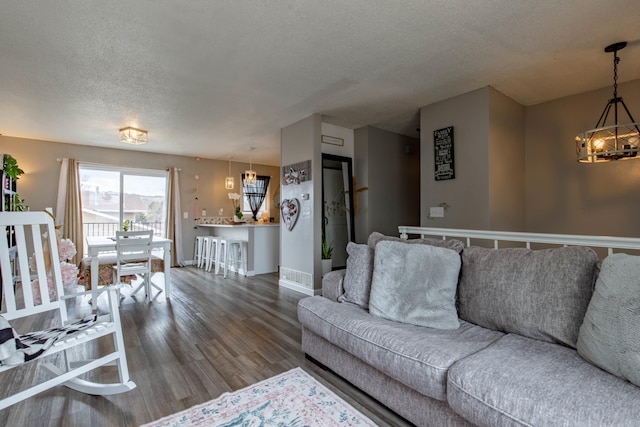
212	336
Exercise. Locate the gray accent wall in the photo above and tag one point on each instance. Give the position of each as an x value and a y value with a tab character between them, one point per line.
488	189
300	248
564	196
467	195
516	166
506	163
388	164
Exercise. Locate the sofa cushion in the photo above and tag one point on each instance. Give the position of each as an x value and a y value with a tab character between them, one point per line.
376	237
521	381
415	284
357	279
610	334
540	294
418	357
332	284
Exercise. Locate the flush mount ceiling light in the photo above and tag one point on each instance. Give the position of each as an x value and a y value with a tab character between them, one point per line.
133	136
250	176
610	142
228	181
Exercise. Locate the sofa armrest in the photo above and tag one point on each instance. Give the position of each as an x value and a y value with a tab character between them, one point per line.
332	284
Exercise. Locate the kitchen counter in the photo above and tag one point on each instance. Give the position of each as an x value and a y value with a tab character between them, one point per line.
263	243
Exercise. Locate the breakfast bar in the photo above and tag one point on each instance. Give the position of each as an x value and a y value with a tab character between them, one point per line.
263	243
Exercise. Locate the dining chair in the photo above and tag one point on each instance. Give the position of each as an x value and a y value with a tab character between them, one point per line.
133	258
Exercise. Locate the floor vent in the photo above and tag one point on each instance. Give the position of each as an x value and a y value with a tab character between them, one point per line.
300	278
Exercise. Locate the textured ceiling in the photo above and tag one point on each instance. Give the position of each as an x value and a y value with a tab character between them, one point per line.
211	78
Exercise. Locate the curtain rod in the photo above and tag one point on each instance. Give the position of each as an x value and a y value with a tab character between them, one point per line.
59	160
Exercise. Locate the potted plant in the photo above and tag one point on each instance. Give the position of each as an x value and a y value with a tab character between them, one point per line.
10	167
327	252
19	205
126	224
237	212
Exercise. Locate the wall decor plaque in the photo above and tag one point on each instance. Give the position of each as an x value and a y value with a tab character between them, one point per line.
296	173
333	140
290	208
443	153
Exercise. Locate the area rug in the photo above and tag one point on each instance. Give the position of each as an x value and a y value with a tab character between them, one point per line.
293	398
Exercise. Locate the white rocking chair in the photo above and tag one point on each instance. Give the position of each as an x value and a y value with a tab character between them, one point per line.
26	229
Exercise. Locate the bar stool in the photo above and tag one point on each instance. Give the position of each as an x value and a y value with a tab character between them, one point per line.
231	252
198	250
209	251
211	243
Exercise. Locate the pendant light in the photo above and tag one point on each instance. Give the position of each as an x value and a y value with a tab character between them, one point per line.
228	181
250	176
610	142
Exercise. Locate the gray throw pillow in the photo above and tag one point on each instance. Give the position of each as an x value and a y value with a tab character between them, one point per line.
610	334
540	294
357	279
415	284
376	237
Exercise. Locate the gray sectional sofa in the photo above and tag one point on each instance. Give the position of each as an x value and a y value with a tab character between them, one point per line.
529	345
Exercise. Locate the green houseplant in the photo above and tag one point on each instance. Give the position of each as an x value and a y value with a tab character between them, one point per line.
327	249
327	252
126	224
11	168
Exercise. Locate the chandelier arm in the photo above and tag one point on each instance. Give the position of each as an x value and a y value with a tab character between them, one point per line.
605	113
635	125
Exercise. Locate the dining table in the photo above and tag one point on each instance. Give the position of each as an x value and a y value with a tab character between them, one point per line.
97	245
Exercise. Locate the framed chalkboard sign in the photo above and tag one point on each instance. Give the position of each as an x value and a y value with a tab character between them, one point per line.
443	153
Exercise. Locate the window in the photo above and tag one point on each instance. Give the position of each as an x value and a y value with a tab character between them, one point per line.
255	194
111	195
246	208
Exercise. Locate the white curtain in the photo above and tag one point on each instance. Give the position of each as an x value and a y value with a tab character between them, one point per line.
174	222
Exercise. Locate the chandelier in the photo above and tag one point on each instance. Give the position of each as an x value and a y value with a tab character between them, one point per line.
250	176
610	142
133	136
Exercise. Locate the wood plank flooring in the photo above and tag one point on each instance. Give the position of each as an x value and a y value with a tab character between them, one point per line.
212	336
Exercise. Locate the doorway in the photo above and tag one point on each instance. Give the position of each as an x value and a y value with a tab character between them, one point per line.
337	198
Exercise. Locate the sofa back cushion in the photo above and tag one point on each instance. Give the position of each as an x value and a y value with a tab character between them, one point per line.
610	334
415	284
376	237
357	279
540	294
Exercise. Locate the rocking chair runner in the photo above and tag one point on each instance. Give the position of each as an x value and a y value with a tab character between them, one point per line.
28	229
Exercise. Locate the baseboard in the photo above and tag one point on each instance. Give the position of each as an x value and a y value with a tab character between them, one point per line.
296	287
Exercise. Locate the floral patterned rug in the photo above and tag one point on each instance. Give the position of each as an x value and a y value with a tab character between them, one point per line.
293	398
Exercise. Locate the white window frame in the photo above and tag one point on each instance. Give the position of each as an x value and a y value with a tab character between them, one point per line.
123	171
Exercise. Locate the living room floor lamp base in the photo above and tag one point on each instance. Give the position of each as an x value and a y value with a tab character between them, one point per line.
614	142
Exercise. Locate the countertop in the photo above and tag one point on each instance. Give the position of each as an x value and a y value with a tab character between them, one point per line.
241	225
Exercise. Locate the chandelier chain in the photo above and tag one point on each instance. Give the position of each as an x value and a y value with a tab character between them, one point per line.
616	60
